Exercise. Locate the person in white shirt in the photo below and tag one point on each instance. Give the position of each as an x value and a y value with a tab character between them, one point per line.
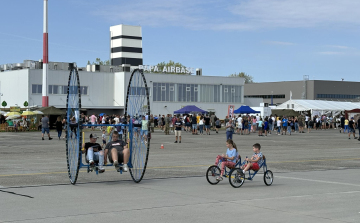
273	126
239	126
117	120
307	121
278	125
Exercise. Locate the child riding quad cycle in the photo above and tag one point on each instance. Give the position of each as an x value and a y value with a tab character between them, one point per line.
237	174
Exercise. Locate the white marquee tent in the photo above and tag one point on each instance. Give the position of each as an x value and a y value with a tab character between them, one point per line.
318	107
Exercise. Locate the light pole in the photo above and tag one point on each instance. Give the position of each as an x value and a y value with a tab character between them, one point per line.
272	96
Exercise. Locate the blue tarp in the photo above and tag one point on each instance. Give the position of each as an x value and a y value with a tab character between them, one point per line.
245	110
188	109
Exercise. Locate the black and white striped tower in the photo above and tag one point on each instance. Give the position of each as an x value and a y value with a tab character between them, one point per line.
126	45
45	98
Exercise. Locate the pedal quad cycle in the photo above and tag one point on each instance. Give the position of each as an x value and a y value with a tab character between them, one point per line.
237	177
137	106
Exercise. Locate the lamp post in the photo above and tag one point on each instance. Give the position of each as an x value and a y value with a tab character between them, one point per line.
272	93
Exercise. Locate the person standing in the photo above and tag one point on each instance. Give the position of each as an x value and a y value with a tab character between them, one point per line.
201	125
207	124
45	126
178	127
194	124
229	130
144	129
167	124
351	128
93	121
342	123
152	123
217	125
285	125
59	126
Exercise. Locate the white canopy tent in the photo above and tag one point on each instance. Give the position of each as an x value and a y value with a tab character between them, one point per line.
318	107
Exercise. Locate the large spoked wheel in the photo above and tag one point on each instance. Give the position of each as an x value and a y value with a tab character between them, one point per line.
73	131
268	177
236	178
137	106
212	173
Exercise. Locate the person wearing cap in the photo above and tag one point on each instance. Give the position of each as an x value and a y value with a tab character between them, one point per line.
94	153
352	127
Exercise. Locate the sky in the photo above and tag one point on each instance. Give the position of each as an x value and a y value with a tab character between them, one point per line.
271	40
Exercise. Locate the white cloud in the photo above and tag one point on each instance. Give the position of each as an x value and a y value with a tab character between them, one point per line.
234	14
331	53
339	47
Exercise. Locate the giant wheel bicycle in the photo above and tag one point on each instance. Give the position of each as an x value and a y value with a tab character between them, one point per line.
137	106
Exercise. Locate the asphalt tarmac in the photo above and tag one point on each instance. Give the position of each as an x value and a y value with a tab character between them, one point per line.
316	178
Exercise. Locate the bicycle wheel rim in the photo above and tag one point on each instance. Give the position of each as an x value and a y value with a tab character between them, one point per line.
212	173
73	153
137	106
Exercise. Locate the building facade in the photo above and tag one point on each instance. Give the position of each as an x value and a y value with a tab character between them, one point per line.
281	92
106	91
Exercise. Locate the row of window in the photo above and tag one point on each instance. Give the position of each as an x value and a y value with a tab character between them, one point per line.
57	89
196	93
338	96
265	96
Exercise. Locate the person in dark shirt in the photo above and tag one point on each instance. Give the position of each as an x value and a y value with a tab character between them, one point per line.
178	126
93	152
207	124
342	123
117	152
352	127
194	124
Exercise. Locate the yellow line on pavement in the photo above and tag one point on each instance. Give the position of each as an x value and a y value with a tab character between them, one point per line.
189	166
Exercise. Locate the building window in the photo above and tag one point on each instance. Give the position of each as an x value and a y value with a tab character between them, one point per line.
133	90
83	90
209	93
265	96
187	93
163	92
37	89
234	95
342	96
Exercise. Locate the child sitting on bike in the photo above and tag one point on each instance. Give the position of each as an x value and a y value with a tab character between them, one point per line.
255	161
228	159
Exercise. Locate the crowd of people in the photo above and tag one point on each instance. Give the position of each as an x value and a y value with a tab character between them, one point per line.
205	124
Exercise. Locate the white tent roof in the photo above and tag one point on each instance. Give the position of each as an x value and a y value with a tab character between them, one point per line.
318	105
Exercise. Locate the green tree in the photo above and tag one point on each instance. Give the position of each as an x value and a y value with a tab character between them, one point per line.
4	104
98	61
26	104
169	64
248	78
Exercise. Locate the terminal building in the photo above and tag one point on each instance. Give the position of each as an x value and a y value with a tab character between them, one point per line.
104	89
279	92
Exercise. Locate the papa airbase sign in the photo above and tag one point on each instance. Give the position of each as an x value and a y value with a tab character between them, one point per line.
180	70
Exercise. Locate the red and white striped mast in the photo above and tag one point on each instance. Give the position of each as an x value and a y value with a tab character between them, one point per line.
45	98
